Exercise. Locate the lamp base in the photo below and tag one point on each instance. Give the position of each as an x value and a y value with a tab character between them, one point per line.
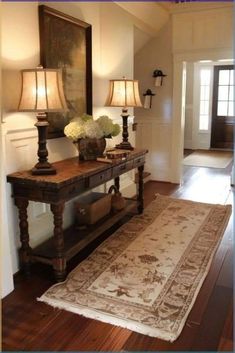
125	145
43	169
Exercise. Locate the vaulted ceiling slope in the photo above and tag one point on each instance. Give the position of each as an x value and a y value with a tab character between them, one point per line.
149	15
149	18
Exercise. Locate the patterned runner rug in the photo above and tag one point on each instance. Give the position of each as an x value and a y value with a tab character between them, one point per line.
147	275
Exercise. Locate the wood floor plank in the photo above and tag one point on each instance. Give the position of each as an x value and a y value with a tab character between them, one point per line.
205	293
59	333
210	331
21	323
138	342
22	316
228	327
99	337
225	277
226	345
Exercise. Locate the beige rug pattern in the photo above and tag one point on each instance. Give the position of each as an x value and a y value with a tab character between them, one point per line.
210	159
147	275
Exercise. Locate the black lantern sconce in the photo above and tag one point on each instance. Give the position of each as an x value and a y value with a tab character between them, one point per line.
148	98
158	74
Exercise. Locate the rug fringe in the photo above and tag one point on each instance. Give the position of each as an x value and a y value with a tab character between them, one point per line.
109	319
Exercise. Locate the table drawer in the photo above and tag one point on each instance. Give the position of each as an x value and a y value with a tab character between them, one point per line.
139	161
122	168
72	190
100	178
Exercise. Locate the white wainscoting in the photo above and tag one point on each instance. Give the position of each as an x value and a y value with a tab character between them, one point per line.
155	136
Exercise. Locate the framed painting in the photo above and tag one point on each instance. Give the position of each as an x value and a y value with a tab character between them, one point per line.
65	43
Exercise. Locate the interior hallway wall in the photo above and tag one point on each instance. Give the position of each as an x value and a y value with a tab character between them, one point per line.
154	125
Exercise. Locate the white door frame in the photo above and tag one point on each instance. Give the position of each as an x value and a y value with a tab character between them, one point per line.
178	111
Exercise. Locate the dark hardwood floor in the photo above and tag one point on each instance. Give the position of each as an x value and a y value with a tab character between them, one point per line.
29	325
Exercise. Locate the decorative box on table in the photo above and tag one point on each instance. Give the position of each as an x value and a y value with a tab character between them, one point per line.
92	207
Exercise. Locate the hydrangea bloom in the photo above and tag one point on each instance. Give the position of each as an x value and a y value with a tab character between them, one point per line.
74	131
93	130
106	125
85	126
116	130
86	117
77	120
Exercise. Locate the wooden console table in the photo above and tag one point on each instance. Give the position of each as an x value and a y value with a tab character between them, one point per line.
72	179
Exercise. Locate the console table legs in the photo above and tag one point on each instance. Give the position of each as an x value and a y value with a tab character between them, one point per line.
25	250
140	189
59	262
117	182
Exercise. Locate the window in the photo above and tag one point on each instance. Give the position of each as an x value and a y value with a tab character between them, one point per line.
205	83
225	102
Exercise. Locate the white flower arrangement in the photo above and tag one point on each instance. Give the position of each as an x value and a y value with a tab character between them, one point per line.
86	126
106	125
74	130
93	130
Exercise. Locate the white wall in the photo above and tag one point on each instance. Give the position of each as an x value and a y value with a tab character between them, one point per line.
203	30
112	56
154	125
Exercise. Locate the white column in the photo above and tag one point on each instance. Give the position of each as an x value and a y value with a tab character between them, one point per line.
179	90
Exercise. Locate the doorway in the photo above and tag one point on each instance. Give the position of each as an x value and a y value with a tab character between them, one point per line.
209	107
178	122
209	91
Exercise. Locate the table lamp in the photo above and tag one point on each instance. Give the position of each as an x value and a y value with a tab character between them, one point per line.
124	93
42	92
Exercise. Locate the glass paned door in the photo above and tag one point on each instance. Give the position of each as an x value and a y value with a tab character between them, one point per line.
223	107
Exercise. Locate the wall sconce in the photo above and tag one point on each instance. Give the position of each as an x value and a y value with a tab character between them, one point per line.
148	99
42	92
158	74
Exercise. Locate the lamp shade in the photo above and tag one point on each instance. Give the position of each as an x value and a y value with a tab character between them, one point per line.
123	93
42	91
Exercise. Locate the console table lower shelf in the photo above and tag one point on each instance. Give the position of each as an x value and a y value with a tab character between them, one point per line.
76	239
